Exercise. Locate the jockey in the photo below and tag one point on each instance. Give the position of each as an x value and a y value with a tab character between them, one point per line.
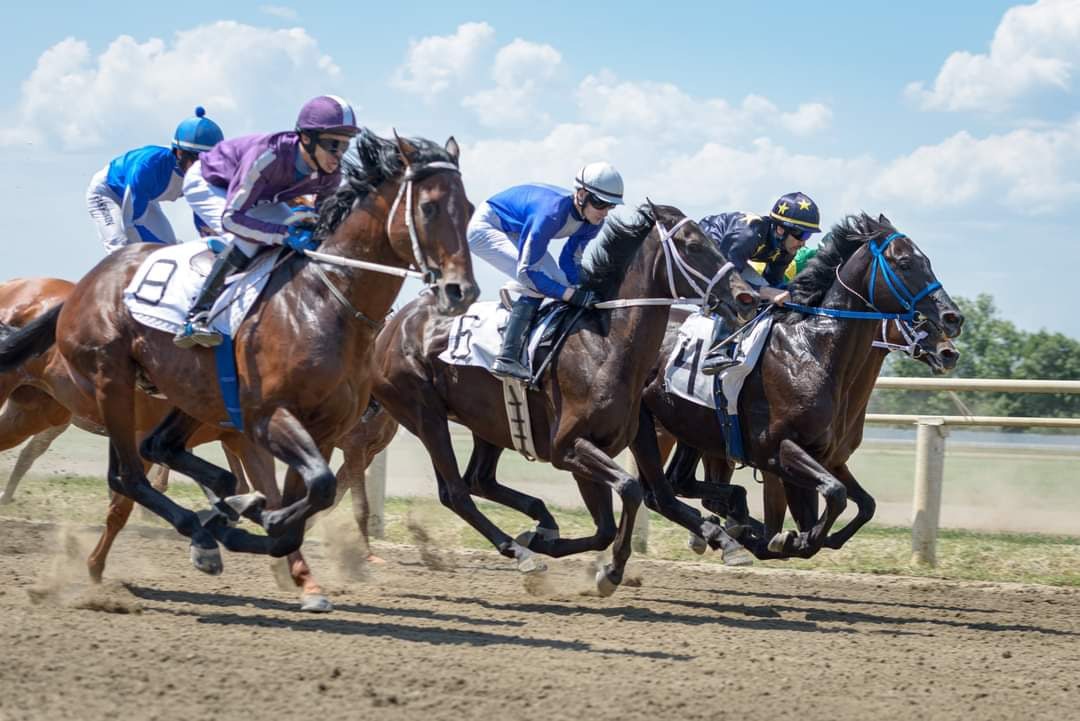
124	196
512	231
774	241
240	188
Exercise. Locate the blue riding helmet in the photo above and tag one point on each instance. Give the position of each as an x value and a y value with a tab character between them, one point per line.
797	212
197	134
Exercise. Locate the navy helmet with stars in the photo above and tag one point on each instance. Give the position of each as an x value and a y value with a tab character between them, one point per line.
797	212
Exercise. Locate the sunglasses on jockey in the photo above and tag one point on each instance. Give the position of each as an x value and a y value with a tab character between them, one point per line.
800	234
334	146
597	203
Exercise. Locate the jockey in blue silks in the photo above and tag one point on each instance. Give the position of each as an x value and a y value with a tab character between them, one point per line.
242	187
773	240
512	230
124	196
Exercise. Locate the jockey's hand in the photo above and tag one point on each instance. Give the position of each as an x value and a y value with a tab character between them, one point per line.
775	295
582	298
300	239
303	216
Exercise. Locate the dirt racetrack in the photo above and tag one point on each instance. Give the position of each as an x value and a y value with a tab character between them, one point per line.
158	640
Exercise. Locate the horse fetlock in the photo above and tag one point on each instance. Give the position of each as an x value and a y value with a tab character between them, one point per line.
607	580
527	561
248	505
779	542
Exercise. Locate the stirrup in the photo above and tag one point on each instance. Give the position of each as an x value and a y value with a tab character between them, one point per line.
197	332
717	364
507	368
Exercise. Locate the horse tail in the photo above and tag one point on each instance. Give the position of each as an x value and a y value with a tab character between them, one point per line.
30	341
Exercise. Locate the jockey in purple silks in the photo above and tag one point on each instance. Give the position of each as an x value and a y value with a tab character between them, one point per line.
242	187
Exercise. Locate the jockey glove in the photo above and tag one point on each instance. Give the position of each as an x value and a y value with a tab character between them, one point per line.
300	239
582	298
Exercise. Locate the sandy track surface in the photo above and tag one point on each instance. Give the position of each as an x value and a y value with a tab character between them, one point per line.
158	640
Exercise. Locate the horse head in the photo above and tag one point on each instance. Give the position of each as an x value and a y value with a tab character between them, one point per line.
695	267
892	275
924	342
427	223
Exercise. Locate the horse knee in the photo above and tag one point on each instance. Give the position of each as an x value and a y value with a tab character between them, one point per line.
630	491
322	490
835	495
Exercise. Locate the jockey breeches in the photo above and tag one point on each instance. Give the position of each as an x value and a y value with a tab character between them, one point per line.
208	202
489	241
114	225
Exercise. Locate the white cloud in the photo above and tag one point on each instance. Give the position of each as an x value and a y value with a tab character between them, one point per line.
279	11
138	92
435	62
664	111
1034	46
520	71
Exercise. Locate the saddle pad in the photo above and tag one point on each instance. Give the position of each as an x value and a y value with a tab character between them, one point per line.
166	284
476	337
683	376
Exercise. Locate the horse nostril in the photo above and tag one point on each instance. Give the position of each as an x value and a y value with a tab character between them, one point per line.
453	292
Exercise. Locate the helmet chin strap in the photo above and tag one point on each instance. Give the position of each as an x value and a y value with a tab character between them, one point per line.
311	147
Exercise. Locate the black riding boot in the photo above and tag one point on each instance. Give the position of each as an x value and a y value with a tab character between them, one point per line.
508	362
717	359
197	331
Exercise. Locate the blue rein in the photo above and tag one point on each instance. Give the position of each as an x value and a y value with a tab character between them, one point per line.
895	284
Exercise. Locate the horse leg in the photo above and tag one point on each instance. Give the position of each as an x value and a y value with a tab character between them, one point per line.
29	453
119	510
352	479
801	470
480	476
236	467
863	501
658	487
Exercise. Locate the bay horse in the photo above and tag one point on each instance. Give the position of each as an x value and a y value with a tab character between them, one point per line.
303	354
30	407
801	404
584	411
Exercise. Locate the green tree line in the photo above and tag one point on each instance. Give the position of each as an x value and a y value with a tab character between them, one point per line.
991	347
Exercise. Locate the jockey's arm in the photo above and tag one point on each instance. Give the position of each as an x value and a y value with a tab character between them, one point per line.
147	178
246	189
535	236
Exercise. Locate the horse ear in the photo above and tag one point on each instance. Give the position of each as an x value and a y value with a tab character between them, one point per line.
883	220
452	148
406	148
653	212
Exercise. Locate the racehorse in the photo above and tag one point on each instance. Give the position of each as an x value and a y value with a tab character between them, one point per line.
802	406
303	354
584	410
31	394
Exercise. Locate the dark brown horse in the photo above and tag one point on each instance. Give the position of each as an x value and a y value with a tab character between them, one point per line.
802	406
303	354
585	409
30	408
921	342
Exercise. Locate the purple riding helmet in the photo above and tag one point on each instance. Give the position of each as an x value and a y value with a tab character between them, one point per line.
327	114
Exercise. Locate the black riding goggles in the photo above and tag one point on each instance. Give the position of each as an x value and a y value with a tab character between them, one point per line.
597	203
334	146
802	234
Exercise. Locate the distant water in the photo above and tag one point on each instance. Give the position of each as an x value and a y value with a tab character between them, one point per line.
976	437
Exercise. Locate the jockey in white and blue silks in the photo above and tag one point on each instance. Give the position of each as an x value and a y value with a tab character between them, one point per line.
512	231
242	191
124	196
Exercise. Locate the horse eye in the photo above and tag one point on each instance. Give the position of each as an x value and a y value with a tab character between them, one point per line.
429	209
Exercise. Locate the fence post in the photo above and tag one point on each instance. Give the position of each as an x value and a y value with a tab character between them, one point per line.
639	539
926	504
375	483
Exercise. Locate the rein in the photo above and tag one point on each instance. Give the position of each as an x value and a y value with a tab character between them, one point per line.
427	274
900	291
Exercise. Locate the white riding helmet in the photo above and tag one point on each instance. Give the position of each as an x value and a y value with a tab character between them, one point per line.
601	180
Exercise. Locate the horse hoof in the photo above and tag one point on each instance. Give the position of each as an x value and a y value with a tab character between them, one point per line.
737	557
315	603
697	544
207	560
529	562
777	543
604	585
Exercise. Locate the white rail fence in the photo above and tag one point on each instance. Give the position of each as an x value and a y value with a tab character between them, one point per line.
931	432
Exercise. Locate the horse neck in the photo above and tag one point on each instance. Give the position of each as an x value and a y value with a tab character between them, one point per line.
362	236
639	330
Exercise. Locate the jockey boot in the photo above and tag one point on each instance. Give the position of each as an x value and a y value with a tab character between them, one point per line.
197	330
508	362
717	359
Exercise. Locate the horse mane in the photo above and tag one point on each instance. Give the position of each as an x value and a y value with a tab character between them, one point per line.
380	160
615	248
810	286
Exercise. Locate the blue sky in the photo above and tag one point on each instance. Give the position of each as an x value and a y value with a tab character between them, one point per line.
961	122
